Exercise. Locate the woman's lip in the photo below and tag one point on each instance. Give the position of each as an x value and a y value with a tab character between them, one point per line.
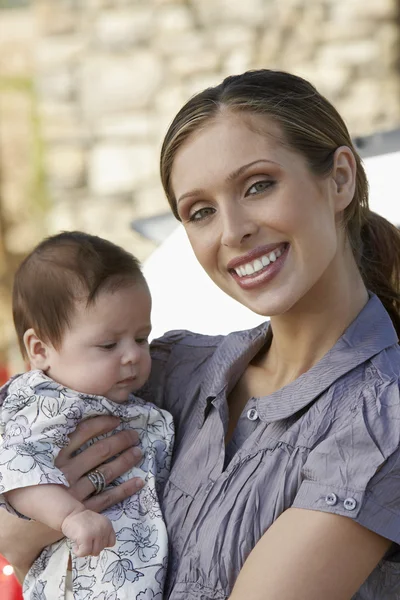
260	278
253	254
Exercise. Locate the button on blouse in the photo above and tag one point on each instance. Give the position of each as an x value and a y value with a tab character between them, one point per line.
329	441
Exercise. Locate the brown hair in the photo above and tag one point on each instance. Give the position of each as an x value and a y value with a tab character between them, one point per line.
314	128
58	272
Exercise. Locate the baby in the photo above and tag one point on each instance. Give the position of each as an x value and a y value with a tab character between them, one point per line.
82	315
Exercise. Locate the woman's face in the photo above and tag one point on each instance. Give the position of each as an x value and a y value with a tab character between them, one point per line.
261	225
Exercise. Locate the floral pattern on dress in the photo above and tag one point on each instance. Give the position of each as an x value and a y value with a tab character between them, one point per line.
36	416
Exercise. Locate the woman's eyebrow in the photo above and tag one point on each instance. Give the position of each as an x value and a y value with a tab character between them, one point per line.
196	192
244	168
234	175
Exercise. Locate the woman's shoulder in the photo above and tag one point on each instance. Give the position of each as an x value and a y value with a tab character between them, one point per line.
179	354
181	338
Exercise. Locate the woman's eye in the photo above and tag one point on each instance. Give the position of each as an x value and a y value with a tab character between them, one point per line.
259	187
201	214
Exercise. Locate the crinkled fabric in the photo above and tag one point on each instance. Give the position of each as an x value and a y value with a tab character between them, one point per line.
36	415
329	441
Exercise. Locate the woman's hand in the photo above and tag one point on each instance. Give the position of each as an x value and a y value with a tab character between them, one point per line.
76	467
21	541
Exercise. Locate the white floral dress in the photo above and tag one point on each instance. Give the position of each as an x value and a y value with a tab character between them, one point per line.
36	416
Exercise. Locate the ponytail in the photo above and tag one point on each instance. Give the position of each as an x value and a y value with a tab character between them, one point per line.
380	262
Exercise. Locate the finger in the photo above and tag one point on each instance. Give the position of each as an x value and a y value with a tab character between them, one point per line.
85	431
98	453
83	549
114	495
84	488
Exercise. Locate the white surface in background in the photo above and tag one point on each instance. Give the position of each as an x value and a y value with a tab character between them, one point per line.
383	173
185	298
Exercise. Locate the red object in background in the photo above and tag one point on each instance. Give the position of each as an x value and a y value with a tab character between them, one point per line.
10	589
4	376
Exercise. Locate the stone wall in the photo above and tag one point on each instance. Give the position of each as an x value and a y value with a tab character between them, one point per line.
22	185
109	76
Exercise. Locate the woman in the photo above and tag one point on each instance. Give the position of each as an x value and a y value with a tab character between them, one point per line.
287	454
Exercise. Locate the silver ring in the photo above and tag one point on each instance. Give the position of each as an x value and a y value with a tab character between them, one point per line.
98	480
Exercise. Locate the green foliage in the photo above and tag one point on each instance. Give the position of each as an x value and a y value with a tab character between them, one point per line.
14	3
37	189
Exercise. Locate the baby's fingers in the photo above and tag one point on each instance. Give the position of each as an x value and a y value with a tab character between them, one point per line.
111	540
82	549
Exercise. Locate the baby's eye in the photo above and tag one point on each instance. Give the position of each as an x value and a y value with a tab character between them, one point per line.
110	346
142	341
259	187
201	214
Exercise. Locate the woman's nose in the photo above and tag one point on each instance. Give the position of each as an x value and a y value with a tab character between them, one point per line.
237	227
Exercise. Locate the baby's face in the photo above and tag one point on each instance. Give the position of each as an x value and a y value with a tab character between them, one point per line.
105	351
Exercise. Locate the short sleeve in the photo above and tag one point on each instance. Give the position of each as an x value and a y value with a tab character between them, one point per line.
355	471
34	429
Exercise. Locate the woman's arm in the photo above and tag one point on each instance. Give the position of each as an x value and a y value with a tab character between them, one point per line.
21	541
309	555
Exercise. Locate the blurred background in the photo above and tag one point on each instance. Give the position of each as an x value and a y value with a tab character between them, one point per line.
88	88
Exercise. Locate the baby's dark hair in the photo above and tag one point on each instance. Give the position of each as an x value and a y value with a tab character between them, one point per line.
65	268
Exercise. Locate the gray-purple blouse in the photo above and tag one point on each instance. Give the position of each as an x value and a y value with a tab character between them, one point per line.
328	441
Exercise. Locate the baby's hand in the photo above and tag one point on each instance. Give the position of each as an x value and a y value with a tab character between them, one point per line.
89	532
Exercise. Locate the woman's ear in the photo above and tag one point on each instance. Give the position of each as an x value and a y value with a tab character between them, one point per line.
37	351
343	178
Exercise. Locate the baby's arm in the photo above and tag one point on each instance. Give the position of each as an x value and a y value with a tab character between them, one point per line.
53	505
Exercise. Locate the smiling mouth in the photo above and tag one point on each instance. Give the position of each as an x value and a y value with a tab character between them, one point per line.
259	264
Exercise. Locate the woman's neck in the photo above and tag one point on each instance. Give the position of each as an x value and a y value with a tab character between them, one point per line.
303	335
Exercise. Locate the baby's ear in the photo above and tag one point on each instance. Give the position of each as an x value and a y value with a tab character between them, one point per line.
37	351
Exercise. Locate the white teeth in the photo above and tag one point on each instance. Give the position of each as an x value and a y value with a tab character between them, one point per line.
241	271
259	263
265	261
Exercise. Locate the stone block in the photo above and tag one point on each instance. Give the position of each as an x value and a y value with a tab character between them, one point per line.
169	45
228	37
150	200
173	18
55	18
108	85
167	102
66	166
59	51
128	125
117	168
238	60
60	122
189	63
59	84
121	29
107	216
250	12
355	52
16	43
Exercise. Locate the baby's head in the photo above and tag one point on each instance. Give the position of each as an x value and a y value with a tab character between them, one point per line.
81	310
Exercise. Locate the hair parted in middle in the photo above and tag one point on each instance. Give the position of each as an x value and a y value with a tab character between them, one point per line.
63	269
311	126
